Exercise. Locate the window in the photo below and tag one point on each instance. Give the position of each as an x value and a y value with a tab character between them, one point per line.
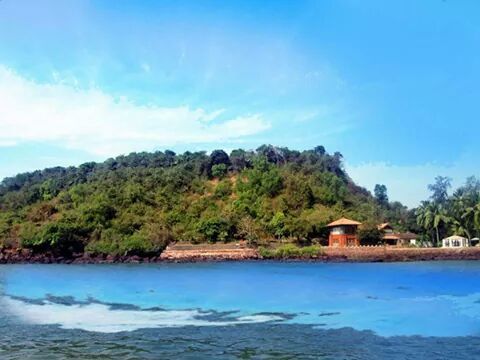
338	230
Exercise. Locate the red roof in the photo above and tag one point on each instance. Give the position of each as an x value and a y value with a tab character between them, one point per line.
343	222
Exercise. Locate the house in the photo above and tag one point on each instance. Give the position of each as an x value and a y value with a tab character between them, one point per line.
343	233
408	238
455	241
390	237
386	228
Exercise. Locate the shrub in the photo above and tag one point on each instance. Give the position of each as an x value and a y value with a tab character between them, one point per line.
266	253
223	189
60	237
290	251
249	230
219	171
311	251
149	240
214	229
135	244
107	244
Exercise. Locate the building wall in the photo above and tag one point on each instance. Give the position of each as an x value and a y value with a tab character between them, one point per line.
455	243
343	240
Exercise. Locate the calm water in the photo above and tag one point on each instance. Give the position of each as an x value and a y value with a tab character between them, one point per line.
262	310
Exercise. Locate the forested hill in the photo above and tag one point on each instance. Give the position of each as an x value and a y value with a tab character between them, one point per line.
136	204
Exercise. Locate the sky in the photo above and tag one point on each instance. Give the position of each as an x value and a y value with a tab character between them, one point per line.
392	85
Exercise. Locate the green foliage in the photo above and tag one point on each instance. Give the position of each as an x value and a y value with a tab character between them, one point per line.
446	215
223	190
60	237
369	234
138	203
381	196
290	251
249	230
215	229
108	243
439	189
328	189
219	171
151	239
276	225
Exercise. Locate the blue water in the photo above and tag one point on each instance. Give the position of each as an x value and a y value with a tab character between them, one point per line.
401	303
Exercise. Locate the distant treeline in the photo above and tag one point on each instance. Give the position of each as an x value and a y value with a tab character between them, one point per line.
137	204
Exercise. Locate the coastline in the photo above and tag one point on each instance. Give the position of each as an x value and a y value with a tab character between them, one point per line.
359	254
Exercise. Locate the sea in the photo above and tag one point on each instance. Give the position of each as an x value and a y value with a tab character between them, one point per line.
241	310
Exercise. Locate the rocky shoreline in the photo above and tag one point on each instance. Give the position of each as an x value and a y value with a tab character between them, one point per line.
360	254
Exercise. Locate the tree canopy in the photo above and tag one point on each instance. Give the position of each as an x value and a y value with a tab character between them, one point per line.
138	203
445	214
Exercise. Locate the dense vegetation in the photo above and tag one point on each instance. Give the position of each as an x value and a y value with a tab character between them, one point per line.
136	204
445	214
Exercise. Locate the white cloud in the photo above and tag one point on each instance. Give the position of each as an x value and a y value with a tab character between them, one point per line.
408	184
94	121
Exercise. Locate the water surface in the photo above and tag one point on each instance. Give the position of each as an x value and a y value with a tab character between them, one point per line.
241	309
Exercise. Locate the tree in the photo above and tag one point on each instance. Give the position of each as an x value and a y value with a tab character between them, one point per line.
461	215
272	154
474	212
381	196
249	230
440	189
214	229
219	157
369	234
277	225
431	216
320	150
219	171
298	227
240	159
137	203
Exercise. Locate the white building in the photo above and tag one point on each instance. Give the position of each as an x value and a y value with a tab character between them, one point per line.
455	241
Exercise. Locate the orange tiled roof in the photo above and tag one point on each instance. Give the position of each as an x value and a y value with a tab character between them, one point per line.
344	221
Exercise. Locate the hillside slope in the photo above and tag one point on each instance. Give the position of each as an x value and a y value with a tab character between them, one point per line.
137	204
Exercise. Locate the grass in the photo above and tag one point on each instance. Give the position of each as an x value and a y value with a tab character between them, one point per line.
291	251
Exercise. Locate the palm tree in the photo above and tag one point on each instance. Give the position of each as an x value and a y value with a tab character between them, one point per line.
473	214
465	208
425	216
430	216
461	220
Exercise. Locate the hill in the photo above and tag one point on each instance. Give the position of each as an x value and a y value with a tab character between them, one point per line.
137	204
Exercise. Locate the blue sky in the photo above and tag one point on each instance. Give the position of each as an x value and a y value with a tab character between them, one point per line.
391	85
